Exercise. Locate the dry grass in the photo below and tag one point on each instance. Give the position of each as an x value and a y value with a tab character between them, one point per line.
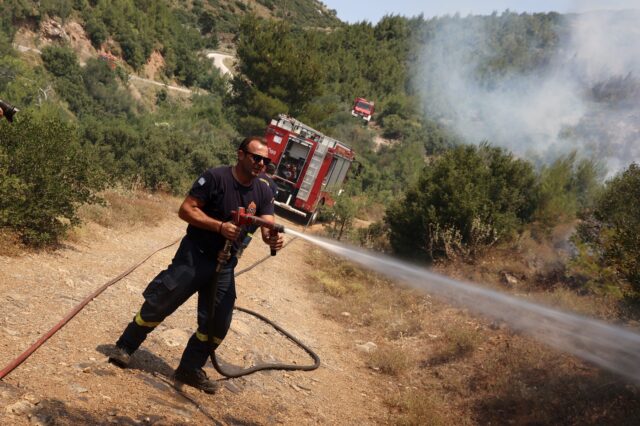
122	208
126	208
459	342
10	244
390	360
588	305
418	407
460	370
336	287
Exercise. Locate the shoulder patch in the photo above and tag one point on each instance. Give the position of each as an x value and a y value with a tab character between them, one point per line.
251	208
201	181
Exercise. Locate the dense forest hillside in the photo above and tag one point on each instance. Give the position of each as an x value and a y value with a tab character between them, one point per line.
438	84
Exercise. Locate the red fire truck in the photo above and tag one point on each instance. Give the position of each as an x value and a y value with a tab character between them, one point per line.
309	166
362	108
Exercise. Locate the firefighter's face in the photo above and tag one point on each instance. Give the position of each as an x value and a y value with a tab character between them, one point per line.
250	158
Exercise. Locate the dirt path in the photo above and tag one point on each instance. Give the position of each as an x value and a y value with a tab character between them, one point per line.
218	62
68	381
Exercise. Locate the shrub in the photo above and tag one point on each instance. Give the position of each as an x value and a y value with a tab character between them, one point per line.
390	360
342	213
611	232
567	187
45	175
61	62
374	237
97	30
132	49
61	8
469	198
394	126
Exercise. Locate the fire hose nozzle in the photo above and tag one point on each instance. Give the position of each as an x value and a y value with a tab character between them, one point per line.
240	217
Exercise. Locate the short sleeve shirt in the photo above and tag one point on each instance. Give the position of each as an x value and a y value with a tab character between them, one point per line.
222	194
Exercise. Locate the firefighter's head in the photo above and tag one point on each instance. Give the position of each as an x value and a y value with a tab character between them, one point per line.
253	155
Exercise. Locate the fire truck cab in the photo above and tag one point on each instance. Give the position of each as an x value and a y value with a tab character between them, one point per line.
363	108
309	166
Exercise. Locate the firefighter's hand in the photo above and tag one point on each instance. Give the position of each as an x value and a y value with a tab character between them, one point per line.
230	231
275	240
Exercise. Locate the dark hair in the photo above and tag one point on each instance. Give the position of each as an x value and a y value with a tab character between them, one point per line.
246	141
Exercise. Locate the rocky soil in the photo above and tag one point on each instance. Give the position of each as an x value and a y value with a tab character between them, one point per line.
68	381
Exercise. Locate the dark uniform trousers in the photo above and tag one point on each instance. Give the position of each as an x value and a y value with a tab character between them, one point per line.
191	271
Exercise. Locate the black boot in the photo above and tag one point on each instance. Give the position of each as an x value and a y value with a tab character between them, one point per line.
130	340
196	378
120	357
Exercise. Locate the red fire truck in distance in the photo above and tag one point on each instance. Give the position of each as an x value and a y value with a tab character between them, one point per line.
309	166
363	108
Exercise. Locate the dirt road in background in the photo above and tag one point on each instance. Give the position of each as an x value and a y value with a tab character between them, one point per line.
68	381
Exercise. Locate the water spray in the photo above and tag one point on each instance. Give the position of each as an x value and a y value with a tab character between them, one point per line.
611	347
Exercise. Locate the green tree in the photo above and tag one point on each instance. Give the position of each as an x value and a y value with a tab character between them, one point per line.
611	233
467	199
279	62
97	30
46	174
567	188
343	212
62	62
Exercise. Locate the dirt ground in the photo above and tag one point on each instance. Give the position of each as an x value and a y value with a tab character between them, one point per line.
68	380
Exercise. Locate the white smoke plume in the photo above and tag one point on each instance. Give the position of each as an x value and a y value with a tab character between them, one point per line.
586	97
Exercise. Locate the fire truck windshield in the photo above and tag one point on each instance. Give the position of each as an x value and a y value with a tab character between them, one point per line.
364	106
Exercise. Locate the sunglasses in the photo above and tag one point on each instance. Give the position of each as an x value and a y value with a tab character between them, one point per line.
258	158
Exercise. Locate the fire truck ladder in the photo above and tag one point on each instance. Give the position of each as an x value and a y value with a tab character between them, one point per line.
312	171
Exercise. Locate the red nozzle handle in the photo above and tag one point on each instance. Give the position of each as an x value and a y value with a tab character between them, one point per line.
240	217
278	229
273	251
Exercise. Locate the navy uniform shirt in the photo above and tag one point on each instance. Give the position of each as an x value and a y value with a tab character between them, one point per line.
267	179
221	194
250	229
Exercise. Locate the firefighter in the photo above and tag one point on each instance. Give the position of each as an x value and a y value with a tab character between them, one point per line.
207	210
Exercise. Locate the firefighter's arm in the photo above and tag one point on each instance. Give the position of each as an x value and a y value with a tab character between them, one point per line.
192	213
272	238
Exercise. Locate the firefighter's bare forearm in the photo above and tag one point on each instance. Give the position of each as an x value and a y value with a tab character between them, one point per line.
192	213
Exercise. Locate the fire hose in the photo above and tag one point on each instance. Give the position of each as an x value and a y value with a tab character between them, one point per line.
31	349
240	217
231	374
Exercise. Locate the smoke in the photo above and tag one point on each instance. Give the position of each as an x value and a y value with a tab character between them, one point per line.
583	94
